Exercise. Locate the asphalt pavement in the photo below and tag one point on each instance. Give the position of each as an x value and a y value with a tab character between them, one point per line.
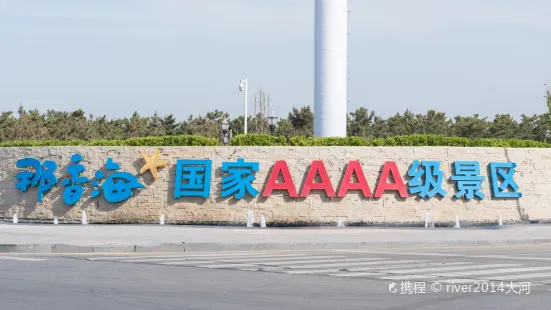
504	277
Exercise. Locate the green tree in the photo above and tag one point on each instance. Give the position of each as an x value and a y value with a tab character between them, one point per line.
237	125
361	123
527	127
303	121
8	125
405	124
209	126
30	125
380	128
285	128
136	126
471	127
504	127
258	124
436	123
170	124
155	126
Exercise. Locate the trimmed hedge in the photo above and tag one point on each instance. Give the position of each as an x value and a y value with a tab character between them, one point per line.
144	141
268	140
258	140
330	141
418	140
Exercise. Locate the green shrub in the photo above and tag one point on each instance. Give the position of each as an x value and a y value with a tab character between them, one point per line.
268	140
426	140
258	140
104	143
172	141
144	141
329	141
418	140
32	143
379	142
526	143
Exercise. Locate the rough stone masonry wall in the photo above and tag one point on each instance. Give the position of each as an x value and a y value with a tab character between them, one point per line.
533	177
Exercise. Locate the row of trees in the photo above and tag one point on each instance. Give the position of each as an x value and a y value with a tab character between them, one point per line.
61	125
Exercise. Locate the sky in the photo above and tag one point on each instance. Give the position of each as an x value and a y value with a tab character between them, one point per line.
187	56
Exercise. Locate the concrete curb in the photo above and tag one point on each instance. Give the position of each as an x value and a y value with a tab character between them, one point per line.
237	247
412	224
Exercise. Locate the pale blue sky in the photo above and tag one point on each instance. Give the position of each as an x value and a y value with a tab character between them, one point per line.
187	56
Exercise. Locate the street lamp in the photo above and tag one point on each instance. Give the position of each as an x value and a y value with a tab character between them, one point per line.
272	122
243	85
225	127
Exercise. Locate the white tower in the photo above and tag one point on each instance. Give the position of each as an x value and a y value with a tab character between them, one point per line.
330	68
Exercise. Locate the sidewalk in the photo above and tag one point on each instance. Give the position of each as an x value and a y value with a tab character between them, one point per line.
34	238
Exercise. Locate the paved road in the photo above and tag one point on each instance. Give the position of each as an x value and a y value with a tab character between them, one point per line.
460	265
283	280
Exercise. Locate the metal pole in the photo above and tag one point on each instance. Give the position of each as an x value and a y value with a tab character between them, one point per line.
225	137
246	112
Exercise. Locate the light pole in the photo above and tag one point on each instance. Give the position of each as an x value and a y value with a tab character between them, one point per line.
225	127
243	85
272	122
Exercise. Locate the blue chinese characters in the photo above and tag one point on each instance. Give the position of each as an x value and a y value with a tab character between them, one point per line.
239	179
73	187
118	186
426	179
503	172
192	178
43	176
468	179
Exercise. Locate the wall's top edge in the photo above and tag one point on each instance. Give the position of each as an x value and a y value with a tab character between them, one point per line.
259	146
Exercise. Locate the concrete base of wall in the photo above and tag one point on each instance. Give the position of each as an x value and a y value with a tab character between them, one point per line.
439	224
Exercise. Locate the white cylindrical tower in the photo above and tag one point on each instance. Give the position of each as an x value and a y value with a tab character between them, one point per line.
330	68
